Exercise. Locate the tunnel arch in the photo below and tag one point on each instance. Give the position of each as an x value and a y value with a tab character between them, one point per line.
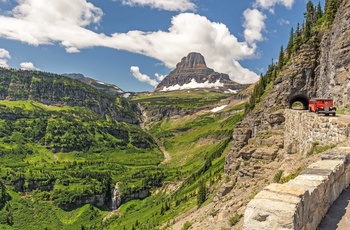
301	98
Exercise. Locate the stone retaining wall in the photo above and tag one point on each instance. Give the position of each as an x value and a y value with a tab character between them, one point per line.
305	129
302	202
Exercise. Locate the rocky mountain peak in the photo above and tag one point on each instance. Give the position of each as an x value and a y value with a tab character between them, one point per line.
192	73
192	61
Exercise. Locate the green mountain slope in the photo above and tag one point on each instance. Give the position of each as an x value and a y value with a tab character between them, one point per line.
64	144
61	160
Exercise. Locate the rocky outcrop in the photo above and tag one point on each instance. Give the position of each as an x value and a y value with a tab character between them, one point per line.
137	195
95	199
192	72
158	113
334	78
27	186
102	86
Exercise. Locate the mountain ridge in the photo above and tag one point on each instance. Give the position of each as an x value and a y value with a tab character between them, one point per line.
100	85
192	73
53	89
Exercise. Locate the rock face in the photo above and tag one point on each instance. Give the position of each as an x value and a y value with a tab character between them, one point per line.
192	72
316	71
334	79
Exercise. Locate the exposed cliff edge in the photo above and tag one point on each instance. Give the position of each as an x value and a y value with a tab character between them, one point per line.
103	86
334	75
193	73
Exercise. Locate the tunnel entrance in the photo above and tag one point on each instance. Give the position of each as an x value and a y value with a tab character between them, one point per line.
299	101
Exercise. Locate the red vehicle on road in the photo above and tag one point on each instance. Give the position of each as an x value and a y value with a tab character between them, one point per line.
320	105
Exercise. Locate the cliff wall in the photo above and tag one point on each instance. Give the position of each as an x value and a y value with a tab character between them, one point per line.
334	79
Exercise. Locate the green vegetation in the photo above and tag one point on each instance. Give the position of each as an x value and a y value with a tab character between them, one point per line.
316	149
197	146
291	176
186	225
278	176
279	179
63	147
316	22
180	100
235	219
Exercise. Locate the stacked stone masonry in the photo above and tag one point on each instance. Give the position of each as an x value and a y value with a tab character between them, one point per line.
305	130
302	202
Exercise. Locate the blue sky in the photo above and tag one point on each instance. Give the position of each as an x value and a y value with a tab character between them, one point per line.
135	43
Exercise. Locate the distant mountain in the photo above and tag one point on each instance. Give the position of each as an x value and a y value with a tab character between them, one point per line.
193	73
52	89
105	87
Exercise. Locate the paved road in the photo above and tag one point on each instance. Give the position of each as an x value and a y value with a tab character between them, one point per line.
344	118
338	216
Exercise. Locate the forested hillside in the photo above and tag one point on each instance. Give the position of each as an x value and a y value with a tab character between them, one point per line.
52	89
65	145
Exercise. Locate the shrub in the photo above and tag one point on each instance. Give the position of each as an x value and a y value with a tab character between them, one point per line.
235	219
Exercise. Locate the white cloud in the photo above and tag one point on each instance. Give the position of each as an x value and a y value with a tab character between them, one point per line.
3	63
38	22
28	66
194	85
160	77
142	77
192	33
170	5
268	4
282	22
4	55
72	49
253	24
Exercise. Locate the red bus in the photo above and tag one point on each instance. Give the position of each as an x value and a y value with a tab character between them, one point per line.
320	105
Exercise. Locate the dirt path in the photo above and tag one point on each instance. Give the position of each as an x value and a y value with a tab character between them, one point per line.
167	157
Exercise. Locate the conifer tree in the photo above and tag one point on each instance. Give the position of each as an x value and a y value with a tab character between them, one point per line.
319	12
202	193
297	39
290	42
309	20
281	58
330	11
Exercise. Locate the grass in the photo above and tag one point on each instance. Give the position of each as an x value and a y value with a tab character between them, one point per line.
196	143
235	219
184	99
316	149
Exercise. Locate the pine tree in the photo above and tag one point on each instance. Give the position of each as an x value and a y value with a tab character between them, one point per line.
202	193
309	20
290	42
330	11
297	39
281	58
319	12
